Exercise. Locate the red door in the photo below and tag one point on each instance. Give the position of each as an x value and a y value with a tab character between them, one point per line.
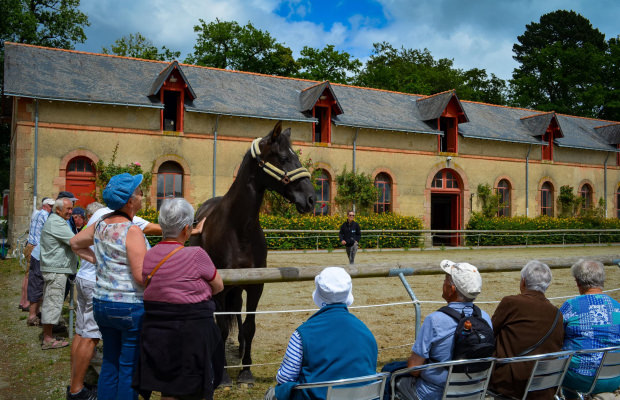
81	180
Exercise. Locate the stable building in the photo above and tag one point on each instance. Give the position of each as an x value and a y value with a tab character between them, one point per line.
190	126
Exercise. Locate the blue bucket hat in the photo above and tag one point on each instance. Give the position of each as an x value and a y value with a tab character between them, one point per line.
119	190
79	211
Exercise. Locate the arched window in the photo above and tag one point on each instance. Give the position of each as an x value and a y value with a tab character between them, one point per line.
586	196
445	179
618	202
383	182
169	181
546	199
503	190
80	180
321	206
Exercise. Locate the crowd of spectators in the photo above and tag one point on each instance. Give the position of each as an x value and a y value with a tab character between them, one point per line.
159	333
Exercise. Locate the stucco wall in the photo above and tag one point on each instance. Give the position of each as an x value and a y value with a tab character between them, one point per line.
66	129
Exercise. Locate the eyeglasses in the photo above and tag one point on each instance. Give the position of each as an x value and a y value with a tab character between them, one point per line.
351	215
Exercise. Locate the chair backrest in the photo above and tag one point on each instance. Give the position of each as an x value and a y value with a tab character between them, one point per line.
609	366
459	385
548	370
368	387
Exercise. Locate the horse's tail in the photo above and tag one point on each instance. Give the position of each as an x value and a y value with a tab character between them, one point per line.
229	301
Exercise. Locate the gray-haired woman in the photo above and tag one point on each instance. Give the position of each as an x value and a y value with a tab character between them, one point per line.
591	321
182	354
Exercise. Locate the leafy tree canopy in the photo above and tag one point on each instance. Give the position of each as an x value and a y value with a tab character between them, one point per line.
416	71
227	45
327	65
562	60
611	80
138	46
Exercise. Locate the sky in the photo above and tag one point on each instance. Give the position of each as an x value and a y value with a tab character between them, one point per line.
473	33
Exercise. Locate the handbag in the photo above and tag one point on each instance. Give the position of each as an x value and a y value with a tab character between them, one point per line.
163	260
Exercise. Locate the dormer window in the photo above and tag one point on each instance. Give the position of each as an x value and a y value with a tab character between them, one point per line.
322	128
551	133
320	101
173	91
173	111
448	142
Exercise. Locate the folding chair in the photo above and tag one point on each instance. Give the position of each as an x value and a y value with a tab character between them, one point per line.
459	385
547	372
368	387
607	369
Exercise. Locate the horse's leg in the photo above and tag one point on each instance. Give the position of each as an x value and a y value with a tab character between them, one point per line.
249	329
223	322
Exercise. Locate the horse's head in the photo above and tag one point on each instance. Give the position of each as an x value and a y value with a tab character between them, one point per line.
281	169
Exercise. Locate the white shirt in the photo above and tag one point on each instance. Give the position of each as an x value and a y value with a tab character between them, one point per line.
88	270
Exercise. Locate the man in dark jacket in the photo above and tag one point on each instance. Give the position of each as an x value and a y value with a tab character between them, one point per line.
350	235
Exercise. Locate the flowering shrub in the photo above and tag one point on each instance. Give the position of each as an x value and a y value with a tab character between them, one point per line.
542	223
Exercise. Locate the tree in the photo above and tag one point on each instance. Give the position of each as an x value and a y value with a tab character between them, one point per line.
53	23
136	45
416	71
355	189
227	45
561	65
327	65
611	74
489	201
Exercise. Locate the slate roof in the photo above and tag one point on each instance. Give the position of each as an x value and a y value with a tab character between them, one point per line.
611	133
538	123
45	73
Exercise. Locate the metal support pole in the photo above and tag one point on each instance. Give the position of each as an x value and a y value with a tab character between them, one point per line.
527	182
418	312
217	121
36	154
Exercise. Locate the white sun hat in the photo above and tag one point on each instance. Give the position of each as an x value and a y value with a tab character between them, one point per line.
333	285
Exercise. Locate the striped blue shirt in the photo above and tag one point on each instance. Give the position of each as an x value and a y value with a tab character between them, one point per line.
36	226
291	364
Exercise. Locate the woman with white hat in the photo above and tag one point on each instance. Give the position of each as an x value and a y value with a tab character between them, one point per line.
331	344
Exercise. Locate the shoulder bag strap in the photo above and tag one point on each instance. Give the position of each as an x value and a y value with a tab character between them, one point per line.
148	278
532	348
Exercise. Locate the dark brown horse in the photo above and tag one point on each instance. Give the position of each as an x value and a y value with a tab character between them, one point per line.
232	235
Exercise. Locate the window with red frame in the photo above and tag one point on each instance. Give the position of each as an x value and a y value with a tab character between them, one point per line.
322	128
169	181
586	196
383	183
444	179
546	199
503	190
322	194
618	203
448	142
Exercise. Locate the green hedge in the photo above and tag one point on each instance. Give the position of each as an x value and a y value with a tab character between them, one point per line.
327	241
288	241
542	224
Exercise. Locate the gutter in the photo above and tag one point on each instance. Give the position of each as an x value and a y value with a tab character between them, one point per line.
36	153
527	180
217	122
109	103
605	182
232	114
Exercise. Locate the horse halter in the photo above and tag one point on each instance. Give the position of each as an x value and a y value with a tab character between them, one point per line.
282	176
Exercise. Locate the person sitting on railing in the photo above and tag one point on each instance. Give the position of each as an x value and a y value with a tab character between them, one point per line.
434	342
591	321
525	324
331	344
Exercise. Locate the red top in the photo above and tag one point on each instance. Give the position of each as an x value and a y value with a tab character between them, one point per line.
182	279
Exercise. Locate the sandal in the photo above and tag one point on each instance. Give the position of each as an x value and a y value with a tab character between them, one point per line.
33	321
54	344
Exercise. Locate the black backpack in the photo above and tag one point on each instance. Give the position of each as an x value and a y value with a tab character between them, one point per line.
476	342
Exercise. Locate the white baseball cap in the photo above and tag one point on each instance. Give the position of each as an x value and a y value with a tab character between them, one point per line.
333	285
48	202
466	277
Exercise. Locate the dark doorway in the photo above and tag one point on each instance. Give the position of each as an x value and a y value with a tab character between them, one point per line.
171	105
444	216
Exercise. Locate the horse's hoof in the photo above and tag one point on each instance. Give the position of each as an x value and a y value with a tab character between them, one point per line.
226	382
245	378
